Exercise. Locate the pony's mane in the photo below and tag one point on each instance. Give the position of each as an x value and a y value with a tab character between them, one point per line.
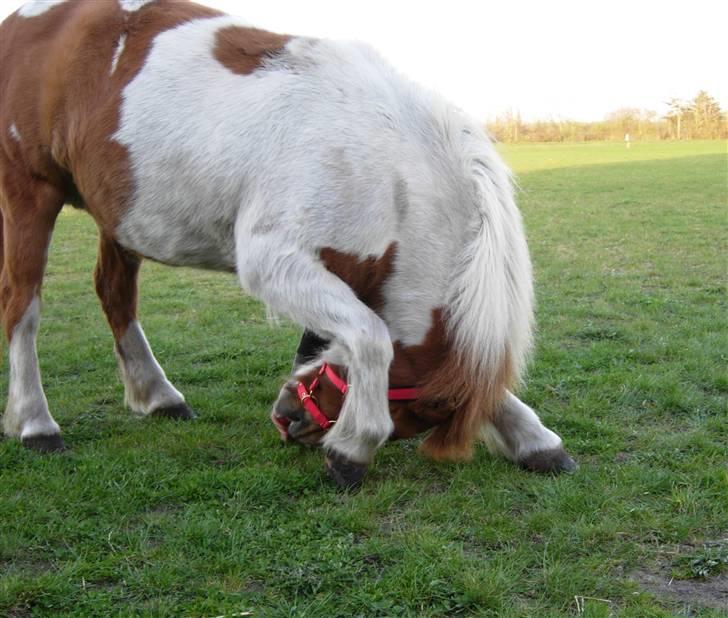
489	304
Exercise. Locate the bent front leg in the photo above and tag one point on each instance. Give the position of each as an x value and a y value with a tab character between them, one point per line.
518	434
297	284
146	387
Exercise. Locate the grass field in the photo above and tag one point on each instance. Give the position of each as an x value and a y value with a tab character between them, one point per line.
216	517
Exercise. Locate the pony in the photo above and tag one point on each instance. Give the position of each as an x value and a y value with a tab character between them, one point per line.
360	205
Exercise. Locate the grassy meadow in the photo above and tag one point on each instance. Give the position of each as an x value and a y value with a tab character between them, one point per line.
216	517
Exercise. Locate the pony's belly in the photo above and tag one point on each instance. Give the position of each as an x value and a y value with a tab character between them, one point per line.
179	240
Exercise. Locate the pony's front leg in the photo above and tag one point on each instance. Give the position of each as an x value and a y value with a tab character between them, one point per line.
518	434
296	284
29	210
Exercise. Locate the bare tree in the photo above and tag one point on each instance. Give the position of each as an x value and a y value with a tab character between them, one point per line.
677	109
707	116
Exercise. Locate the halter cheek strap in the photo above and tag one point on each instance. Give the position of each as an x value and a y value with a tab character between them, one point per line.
308	399
335	379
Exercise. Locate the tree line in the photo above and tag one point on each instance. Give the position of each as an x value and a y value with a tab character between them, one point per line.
699	118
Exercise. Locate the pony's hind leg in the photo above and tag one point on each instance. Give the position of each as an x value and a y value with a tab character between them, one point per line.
29	207
518	434
296	284
146	388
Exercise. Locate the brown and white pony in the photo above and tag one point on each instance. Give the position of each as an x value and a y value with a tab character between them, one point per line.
358	204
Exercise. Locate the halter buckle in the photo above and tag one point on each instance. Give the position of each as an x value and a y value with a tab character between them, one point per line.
307	395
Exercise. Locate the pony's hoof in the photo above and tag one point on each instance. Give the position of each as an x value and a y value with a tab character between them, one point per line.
345	473
554	461
180	412
52	443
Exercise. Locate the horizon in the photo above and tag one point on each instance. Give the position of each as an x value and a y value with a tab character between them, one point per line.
552	61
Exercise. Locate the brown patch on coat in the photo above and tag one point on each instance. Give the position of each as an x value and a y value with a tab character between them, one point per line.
365	277
58	91
67	108
243	50
29	209
101	171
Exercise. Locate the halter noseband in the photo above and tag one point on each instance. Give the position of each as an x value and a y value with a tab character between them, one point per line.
308	399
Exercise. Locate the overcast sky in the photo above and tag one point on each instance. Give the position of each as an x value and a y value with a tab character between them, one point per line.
575	59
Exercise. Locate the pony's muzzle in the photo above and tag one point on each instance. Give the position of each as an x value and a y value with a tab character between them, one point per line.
291	420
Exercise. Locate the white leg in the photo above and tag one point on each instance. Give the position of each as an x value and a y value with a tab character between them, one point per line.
146	387
518	434
297	284
27	416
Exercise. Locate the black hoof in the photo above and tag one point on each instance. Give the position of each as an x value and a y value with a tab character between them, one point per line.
345	473
180	412
52	443
554	461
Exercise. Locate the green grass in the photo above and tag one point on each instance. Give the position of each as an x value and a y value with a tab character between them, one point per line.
146	517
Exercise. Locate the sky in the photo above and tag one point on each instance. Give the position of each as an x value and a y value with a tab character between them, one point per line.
561	59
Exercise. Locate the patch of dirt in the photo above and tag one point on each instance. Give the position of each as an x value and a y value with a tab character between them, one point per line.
710	592
254	586
392	522
160	513
28	564
101	583
374	561
437	487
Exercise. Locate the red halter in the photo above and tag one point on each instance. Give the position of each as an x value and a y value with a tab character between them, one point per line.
308	399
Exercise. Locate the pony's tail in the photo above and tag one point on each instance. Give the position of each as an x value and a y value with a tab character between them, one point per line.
490	309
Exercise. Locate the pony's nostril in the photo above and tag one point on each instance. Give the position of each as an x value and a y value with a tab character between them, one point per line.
295	415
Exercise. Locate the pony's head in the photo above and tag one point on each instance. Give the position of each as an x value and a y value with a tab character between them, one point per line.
311	403
430	390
